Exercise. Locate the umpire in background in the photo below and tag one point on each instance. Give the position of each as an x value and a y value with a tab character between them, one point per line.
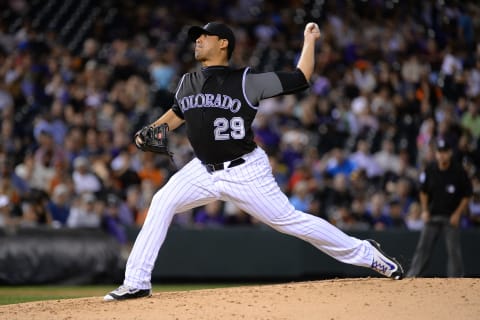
445	189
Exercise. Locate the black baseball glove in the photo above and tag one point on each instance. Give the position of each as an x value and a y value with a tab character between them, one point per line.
153	139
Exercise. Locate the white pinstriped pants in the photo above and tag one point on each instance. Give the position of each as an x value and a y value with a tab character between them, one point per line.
252	187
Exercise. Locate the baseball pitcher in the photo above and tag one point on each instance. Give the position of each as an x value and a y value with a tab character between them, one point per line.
217	105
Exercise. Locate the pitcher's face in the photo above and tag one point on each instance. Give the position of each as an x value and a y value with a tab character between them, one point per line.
208	47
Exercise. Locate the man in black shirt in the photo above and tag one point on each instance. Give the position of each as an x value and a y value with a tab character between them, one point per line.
445	189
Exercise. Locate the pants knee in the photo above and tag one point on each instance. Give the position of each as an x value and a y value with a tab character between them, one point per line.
159	201
286	223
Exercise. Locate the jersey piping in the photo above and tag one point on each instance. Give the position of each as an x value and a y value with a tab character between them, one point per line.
244	78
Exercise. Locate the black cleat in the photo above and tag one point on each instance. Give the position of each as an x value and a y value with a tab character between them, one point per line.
384	264
125	292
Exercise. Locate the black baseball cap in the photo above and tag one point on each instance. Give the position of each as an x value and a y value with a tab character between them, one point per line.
215	29
443	145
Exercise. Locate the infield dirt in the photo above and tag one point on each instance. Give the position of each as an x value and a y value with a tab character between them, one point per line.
365	298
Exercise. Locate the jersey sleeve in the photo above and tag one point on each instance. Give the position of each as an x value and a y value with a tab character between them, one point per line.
265	85
467	188
177	110
176	107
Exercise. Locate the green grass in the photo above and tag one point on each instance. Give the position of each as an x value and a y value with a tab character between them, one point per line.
18	294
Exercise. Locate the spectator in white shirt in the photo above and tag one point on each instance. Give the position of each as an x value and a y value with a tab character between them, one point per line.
386	157
83	179
83	213
364	160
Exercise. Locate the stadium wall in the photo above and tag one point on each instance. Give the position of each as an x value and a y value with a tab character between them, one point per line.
85	256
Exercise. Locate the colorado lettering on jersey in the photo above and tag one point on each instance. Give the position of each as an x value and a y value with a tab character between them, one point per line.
207	100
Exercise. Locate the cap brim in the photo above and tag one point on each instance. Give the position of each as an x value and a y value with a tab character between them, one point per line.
195	32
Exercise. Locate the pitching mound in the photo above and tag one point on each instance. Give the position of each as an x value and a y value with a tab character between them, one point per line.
330	299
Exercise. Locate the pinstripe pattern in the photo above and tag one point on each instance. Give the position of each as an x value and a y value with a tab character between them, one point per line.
250	186
263	199
190	187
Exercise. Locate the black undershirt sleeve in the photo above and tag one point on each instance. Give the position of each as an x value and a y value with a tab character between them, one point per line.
260	86
292	81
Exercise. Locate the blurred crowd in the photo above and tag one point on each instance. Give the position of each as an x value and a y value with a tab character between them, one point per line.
390	77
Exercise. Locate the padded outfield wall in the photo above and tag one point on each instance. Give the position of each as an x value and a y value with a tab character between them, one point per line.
86	256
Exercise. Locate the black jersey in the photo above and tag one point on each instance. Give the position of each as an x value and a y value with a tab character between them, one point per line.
445	188
219	104
217	115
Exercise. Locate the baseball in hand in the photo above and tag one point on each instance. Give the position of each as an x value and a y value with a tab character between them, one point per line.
312	29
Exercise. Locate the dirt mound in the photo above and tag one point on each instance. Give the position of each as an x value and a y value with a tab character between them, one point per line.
366	298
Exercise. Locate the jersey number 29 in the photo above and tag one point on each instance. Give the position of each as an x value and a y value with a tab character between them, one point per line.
225	129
